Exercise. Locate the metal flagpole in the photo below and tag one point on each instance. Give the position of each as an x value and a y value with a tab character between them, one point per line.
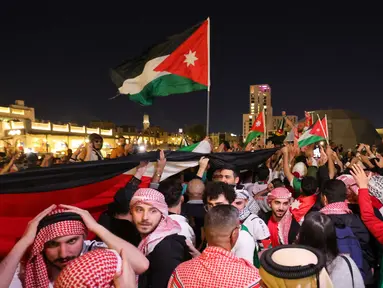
328	136
208	75
264	128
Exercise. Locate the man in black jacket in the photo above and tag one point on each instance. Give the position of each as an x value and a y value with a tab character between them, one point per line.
334	200
117	218
160	243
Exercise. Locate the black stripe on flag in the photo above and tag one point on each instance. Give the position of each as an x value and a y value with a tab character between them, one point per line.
67	176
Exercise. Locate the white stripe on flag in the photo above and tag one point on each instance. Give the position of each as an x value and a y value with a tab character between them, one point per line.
173	168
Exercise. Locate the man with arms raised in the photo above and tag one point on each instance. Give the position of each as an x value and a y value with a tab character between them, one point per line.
57	236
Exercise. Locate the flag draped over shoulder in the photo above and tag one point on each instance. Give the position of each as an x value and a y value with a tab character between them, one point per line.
91	185
178	65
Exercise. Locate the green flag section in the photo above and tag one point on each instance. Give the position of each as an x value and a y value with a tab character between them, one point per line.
251	136
178	65
307	139
315	134
258	128
199	147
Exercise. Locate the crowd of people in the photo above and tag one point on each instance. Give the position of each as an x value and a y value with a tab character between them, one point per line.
296	220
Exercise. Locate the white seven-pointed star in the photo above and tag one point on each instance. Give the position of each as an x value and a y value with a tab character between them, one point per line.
295	204
190	58
258	123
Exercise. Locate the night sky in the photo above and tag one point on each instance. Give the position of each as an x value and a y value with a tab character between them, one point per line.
57	58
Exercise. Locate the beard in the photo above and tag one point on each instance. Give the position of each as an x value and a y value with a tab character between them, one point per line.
146	227
61	263
279	213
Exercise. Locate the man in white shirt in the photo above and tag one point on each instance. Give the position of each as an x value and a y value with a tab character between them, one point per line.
255	225
57	236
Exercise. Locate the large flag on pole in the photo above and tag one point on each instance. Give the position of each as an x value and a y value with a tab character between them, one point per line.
92	185
315	134
178	65
257	129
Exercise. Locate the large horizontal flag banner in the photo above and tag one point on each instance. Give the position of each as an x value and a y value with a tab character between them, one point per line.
92	185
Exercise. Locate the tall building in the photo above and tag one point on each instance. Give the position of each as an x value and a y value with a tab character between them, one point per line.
260	100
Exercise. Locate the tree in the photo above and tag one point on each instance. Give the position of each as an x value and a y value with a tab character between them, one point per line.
196	132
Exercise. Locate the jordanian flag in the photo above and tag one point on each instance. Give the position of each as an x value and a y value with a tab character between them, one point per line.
258	128
198	147
179	65
92	185
281	127
315	134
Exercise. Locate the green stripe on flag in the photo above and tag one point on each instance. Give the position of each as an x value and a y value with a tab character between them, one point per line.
307	139
163	86
189	148
252	135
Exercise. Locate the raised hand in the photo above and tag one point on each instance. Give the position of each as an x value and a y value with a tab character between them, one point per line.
360	176
31	230
88	219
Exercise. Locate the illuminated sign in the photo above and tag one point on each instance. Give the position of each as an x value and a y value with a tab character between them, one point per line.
14	132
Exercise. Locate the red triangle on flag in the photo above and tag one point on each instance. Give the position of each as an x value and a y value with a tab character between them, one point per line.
191	58
319	130
259	124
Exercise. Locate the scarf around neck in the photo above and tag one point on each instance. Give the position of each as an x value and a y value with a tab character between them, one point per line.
337	208
279	231
244	213
166	227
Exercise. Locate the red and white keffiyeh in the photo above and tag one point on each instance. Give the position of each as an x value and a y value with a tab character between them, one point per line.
36	273
337	208
278	193
375	187
279	231
166	227
215	267
350	183
97	268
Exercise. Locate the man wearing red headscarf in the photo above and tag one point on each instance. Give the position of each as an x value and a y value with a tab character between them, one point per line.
56	237
282	226
160	242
